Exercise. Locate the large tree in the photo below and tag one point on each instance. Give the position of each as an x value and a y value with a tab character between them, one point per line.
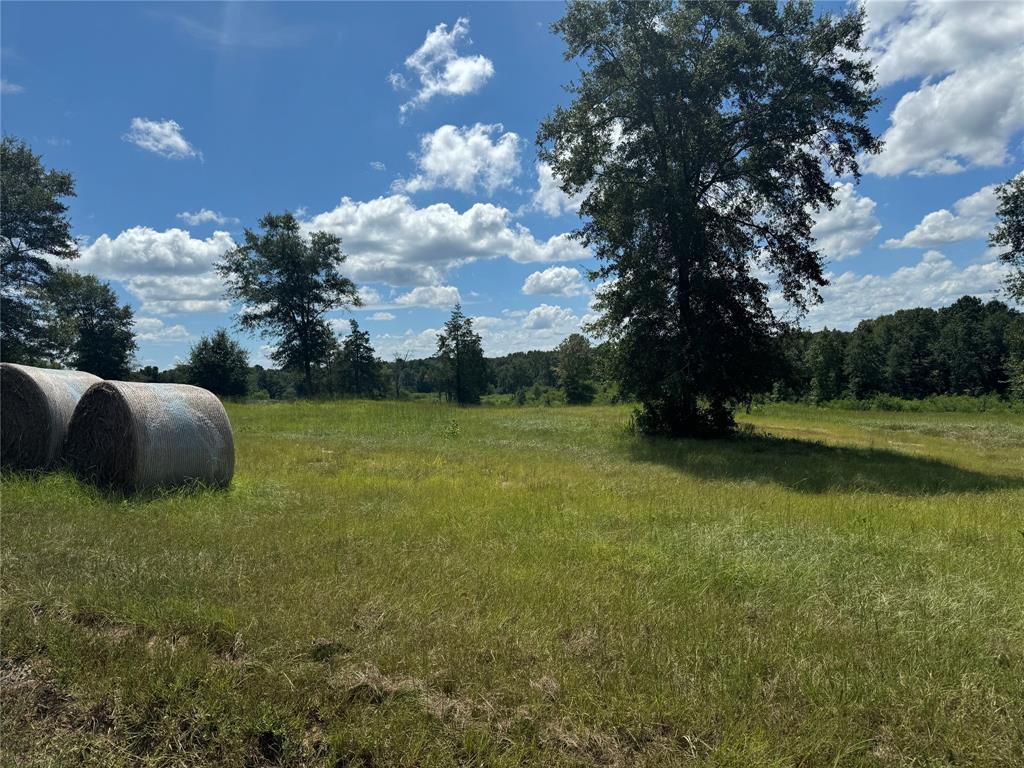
220	364
461	357
287	282
33	226
1009	233
90	330
700	136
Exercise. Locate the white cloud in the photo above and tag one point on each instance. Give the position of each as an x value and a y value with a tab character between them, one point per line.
556	281
144	250
9	89
154	329
370	296
391	240
174	294
168	271
204	216
163	137
465	159
549	196
852	224
430	296
440	69
934	281
411	344
547	316
974	218
382	316
543	327
916	39
377	165
970	103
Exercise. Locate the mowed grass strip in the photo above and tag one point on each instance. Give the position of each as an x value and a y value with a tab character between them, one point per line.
412	584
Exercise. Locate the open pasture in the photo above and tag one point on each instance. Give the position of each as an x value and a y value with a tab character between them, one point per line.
413	584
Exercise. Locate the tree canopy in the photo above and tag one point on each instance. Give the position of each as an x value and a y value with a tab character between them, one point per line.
576	369
1009	232
287	282
358	366
700	135
33	225
90	329
461	357
220	364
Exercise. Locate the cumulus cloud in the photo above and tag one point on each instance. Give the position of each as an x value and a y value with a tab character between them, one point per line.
205	216
9	89
918	39
141	250
848	227
169	294
440	69
465	159
411	344
970	102
547	316
556	281
543	327
974	218
377	165
549	196
390	240
168	271
382	316
430	296
154	330
163	137
935	281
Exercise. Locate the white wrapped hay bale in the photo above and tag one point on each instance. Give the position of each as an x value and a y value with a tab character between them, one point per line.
35	407
137	437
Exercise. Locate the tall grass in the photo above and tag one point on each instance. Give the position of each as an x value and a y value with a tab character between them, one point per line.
414	584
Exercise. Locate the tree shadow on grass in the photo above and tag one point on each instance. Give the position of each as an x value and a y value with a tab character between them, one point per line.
815	467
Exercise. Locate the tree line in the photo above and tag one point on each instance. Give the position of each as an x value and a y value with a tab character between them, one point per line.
701	139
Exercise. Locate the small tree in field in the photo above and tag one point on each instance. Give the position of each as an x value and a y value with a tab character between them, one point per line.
220	364
576	369
33	225
90	329
461	357
287	283
701	136
360	368
1009	233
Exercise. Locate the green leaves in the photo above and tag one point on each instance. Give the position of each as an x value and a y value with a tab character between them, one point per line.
1009	232
220	364
699	134
461	358
33	225
286	284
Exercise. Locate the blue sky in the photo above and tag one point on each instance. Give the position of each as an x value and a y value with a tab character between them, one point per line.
408	130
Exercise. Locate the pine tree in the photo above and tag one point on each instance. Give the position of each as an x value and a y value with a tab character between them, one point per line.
461	358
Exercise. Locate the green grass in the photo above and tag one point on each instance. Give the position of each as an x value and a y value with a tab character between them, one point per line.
411	584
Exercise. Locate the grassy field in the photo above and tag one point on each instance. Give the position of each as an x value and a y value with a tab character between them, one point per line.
411	584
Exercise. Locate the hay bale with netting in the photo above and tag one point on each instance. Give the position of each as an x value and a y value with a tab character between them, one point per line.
136	437
35	407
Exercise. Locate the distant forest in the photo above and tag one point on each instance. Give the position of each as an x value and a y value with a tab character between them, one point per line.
969	348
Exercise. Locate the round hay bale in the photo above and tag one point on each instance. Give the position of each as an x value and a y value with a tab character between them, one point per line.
35	407
138	437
